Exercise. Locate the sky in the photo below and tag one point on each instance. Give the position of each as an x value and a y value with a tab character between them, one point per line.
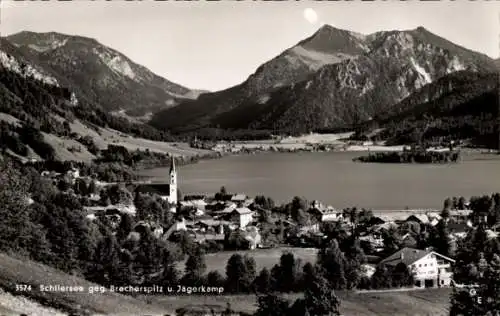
215	45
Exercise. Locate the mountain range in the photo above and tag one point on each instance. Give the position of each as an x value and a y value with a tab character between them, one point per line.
102	74
333	79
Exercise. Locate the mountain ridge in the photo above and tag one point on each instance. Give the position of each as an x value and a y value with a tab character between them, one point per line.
383	68
106	75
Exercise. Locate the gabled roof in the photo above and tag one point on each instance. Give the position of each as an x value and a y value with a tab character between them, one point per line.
406	256
384	226
239	197
409	256
243	211
421	218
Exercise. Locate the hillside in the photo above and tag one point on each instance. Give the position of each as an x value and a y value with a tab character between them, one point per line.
376	72
14	271
327	46
104	75
426	302
462	105
42	117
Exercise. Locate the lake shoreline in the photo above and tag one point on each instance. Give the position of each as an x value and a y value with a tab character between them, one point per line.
334	179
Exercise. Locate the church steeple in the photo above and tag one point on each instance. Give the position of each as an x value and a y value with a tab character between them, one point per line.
172	166
173	182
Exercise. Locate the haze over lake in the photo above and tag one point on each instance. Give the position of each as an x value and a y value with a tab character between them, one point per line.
335	179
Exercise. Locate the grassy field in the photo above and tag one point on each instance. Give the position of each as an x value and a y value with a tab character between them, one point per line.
102	138
426	302
263	257
16	272
16	305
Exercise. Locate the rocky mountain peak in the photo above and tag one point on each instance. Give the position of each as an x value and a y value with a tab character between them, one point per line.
107	76
329	39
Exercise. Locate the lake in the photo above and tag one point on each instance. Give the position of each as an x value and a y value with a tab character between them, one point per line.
333	178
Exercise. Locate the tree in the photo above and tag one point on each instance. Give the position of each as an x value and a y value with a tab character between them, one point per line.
392	241
440	240
401	276
485	298
240	273
461	203
170	275
125	227
81	187
354	258
119	195
332	261
16	226
215	278
320	299
308	273
272	305
195	268
448	204
263	282
382	278
288	273
223	191
106	261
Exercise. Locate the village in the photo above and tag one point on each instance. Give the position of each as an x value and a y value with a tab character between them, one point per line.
227	221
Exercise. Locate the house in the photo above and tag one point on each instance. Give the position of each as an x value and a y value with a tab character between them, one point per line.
458	230
211	225
73	173
385	227
478	218
238	198
226	208
491	234
328	214
418	218
156	229
375	220
460	215
429	268
368	270
177	226
253	237
94	197
119	208
241	216
375	240
204	237
197	204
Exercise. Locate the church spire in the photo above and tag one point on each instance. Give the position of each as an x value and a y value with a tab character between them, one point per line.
172	165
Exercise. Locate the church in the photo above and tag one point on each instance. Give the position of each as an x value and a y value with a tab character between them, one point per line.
167	191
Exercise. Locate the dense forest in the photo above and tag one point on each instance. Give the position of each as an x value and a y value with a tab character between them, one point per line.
36	103
463	105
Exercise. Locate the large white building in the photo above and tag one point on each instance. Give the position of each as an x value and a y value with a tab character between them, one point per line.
429	268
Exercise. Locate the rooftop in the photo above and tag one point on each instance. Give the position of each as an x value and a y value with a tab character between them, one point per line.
406	256
243	210
154	188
